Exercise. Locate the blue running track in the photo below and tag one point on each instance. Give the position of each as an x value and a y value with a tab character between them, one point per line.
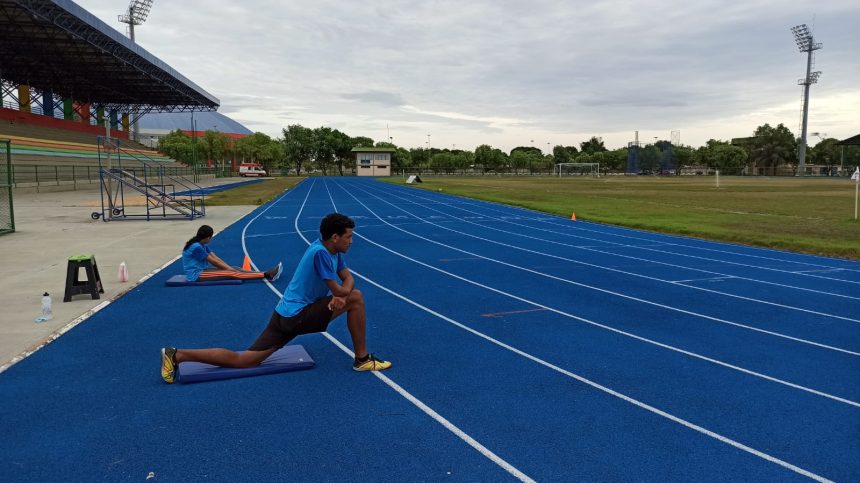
525	346
221	187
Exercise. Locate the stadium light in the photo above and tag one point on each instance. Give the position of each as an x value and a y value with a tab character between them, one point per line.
138	10
805	43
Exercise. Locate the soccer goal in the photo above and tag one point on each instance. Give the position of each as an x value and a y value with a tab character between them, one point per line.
7	216
577	169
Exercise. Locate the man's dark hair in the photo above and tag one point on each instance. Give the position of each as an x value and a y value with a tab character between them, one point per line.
335	224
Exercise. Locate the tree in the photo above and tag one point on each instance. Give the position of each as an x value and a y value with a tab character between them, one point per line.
215	146
259	148
593	145
615	160
464	160
773	146
324	147
362	142
344	158
401	159
827	153
520	159
489	158
721	155
541	163
564	154
271	155
442	161
527	149
686	155
649	159
298	143
178	146
420	158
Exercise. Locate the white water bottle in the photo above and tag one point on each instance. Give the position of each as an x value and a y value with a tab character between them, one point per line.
47	311
122	273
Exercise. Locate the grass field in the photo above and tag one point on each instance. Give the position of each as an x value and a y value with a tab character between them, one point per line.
805	215
253	194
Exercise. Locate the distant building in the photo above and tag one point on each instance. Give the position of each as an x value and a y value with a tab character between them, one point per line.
157	124
373	161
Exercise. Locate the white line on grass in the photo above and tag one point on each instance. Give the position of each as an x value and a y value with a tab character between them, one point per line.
591	383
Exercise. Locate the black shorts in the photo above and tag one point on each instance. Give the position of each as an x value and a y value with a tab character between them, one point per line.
281	330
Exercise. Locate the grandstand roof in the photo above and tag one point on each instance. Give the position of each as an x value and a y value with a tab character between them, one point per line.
58	46
852	141
164	122
373	150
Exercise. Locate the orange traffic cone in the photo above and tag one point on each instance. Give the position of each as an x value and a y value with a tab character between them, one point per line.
573	217
246	265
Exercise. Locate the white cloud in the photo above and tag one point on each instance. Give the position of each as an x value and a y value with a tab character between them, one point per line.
509	72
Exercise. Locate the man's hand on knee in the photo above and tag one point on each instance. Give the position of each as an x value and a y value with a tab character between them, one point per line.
336	303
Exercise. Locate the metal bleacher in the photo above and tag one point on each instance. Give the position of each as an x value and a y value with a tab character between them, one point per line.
125	172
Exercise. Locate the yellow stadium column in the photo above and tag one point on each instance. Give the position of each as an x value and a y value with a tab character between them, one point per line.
24	98
125	122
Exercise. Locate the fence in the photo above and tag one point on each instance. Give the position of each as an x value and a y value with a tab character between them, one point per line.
7	216
39	176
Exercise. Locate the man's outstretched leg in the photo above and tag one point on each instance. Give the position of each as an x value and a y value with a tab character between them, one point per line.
355	322
171	357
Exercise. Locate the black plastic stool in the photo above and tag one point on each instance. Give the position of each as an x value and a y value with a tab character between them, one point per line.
93	283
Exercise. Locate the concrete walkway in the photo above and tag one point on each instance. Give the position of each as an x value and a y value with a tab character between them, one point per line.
51	227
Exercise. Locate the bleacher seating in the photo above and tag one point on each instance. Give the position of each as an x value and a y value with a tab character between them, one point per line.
40	145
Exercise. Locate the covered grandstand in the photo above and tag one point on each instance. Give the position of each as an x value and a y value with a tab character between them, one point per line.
65	76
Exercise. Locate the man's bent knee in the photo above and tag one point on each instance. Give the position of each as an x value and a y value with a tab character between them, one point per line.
355	297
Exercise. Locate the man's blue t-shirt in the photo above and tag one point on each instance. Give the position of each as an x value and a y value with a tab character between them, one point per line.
194	260
308	283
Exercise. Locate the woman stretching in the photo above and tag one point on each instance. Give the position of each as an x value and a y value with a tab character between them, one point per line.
197	258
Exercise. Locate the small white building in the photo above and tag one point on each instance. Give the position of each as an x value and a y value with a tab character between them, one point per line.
373	161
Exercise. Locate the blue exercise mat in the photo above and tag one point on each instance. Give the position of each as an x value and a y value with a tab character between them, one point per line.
182	281
286	359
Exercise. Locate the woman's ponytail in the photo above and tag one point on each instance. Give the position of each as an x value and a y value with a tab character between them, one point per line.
203	232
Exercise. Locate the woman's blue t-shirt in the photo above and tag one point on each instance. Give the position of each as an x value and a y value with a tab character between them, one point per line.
194	260
308	284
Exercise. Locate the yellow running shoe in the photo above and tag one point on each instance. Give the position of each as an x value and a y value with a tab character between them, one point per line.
168	364
371	363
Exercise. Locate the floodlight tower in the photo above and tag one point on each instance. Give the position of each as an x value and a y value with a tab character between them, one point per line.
136	14
805	43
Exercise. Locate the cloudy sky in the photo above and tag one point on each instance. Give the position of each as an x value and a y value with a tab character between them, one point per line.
512	73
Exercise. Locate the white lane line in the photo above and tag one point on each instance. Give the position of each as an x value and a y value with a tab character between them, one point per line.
711	279
553	222
543	240
390	383
591	383
629	297
597	324
820	271
643	247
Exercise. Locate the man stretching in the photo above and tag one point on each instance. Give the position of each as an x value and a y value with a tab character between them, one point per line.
312	300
